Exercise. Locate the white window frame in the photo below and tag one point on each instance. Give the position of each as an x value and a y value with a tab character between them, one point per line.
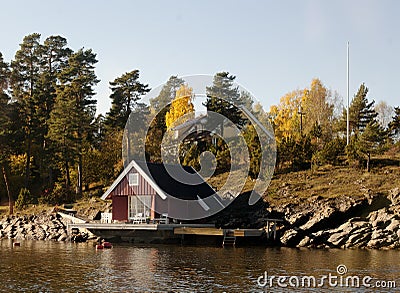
133	179
139	206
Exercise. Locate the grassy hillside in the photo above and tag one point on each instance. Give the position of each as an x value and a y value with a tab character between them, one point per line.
325	181
329	181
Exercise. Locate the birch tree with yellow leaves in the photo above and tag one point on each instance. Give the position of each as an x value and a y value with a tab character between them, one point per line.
317	110
180	105
303	124
285	116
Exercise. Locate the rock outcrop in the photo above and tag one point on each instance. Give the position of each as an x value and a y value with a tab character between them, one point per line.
34	227
343	222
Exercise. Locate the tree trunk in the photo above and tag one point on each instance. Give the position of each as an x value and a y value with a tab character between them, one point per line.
10	203
67	176
128	157
51	181
80	163
368	162
28	163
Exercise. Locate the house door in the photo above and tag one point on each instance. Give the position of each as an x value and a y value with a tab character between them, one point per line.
139	206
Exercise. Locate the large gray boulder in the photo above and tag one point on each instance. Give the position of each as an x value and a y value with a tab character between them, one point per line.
394	195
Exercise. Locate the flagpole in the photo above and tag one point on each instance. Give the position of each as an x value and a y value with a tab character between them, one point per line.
348	94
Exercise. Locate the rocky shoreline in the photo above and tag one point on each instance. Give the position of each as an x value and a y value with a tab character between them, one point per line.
372	221
34	227
342	222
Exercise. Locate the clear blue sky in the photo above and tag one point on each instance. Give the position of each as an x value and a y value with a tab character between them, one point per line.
272	47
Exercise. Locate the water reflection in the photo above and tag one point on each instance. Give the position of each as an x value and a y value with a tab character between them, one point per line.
67	267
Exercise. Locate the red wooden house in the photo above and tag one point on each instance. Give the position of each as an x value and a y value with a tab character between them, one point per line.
149	191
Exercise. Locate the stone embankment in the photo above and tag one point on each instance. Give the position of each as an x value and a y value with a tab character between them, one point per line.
343	222
34	227
372	221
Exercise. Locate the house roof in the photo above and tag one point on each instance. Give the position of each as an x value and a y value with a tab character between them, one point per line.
185	183
189	123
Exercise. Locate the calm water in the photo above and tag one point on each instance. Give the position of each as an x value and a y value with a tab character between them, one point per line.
67	267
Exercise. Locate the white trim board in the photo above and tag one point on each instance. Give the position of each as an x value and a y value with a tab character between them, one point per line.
131	165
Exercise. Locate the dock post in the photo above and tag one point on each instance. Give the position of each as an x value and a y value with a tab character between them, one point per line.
274	229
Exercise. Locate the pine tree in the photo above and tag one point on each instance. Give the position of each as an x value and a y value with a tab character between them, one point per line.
74	111
224	98
53	59
4	102
361	112
126	92
6	133
166	95
394	125
4	76
370	141
255	151
24	78
33	81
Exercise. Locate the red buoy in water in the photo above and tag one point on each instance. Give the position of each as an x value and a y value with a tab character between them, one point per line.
107	245
99	246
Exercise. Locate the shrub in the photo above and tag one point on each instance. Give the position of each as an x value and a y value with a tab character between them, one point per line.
59	195
331	152
24	198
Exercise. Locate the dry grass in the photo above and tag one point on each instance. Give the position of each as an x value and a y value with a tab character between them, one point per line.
84	205
3	210
327	182
220	180
330	181
30	210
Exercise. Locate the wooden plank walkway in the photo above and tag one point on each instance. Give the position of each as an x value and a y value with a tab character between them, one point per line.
198	231
175	229
217	232
129	226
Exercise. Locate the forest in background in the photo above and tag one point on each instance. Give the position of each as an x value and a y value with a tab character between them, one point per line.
55	149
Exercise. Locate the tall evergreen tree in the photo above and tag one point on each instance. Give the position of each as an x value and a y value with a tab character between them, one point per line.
361	111
74	111
167	94
224	98
54	57
4	76
24	78
5	123
127	90
394	125
370	141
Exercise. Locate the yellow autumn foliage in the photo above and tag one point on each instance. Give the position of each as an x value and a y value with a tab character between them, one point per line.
285	116
314	105
180	105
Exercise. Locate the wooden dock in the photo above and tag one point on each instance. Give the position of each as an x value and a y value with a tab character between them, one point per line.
129	226
171	233
218	232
